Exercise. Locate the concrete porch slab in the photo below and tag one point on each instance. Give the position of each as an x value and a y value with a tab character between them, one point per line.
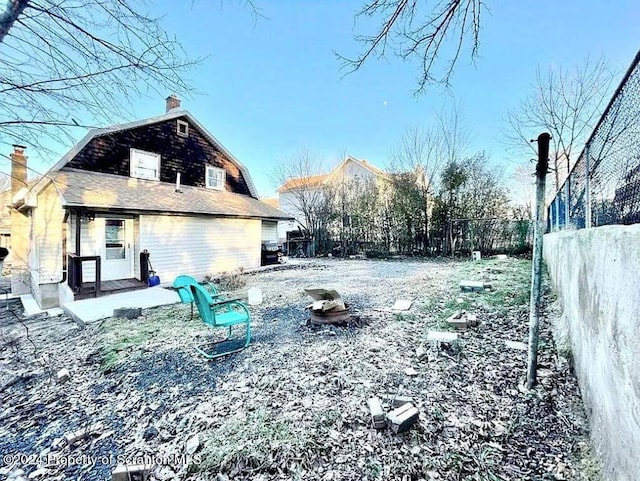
96	308
31	307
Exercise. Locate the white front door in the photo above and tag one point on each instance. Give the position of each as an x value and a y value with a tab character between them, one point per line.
117	249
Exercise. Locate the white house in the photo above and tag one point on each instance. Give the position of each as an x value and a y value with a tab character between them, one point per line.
162	187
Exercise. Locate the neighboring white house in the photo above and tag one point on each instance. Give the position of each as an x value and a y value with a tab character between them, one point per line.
308	190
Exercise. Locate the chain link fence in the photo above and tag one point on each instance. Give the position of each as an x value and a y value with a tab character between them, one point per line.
610	193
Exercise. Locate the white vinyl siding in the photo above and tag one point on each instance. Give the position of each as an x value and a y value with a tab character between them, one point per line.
269	231
46	245
198	246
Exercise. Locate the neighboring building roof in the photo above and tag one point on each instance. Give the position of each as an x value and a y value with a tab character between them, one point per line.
172	114
316	180
273	202
79	188
303	182
362	163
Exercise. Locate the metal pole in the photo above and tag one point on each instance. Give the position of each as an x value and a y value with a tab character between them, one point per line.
536	268
567	202
587	187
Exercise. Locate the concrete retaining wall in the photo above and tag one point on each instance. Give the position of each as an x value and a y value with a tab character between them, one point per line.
596	274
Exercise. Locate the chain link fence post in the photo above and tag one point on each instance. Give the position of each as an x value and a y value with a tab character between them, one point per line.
587	187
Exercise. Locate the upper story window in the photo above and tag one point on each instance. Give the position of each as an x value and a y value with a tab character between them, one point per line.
182	128
144	165
214	178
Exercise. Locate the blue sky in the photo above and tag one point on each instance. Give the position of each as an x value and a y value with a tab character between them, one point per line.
271	86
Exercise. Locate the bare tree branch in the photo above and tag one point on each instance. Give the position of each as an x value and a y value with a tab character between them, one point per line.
409	33
10	15
77	63
566	103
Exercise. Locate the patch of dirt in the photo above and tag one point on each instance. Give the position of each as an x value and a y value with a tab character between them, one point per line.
294	404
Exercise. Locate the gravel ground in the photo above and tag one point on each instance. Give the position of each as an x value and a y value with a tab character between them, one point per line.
293	405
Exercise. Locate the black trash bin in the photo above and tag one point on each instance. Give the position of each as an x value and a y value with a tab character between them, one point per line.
271	254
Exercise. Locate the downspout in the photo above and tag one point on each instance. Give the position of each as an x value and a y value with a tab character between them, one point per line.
64	247
78	232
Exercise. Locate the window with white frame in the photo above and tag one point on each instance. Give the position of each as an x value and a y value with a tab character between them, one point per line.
144	165
182	128
214	178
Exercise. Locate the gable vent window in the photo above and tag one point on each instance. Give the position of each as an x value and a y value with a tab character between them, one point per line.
214	178
144	165
183	128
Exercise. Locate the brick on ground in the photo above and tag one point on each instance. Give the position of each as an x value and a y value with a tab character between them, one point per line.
63	376
474	286
377	414
442	336
128	312
402	418
397	401
136	472
462	320
521	346
81	434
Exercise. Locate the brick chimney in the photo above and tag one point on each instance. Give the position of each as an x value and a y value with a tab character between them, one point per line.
173	102
18	169
20	226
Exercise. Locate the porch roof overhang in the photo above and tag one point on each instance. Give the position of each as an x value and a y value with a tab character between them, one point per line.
119	194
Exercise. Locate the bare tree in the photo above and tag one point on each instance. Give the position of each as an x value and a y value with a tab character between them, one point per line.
423	153
303	192
422	30
522	190
565	103
415	165
77	63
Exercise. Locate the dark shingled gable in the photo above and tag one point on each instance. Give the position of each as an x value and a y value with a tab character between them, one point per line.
108	153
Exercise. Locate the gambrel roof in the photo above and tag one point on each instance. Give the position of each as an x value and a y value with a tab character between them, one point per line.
172	114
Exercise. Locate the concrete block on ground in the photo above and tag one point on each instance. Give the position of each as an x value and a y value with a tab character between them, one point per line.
128	312
462	320
441	336
402	418
474	286
377	414
63	376
476	255
402	305
521	346
136	472
397	401
81	434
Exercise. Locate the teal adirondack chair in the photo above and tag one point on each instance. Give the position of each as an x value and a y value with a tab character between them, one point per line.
182	284
221	313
